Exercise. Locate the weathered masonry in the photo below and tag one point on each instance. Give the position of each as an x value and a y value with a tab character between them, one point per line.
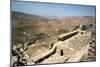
67	36
47	56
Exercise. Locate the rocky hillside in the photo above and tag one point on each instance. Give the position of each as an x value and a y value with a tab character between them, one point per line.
33	34
26	25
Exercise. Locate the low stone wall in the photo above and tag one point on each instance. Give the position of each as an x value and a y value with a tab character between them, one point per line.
46	56
67	36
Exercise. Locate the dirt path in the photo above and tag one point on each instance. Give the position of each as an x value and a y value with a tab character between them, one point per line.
79	55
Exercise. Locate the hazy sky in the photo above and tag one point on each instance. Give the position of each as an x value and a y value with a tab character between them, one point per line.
49	9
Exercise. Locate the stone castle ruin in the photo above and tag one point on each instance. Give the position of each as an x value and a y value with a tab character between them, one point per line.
68	48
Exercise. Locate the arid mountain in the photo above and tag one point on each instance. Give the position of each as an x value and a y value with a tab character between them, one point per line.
79	19
26	25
